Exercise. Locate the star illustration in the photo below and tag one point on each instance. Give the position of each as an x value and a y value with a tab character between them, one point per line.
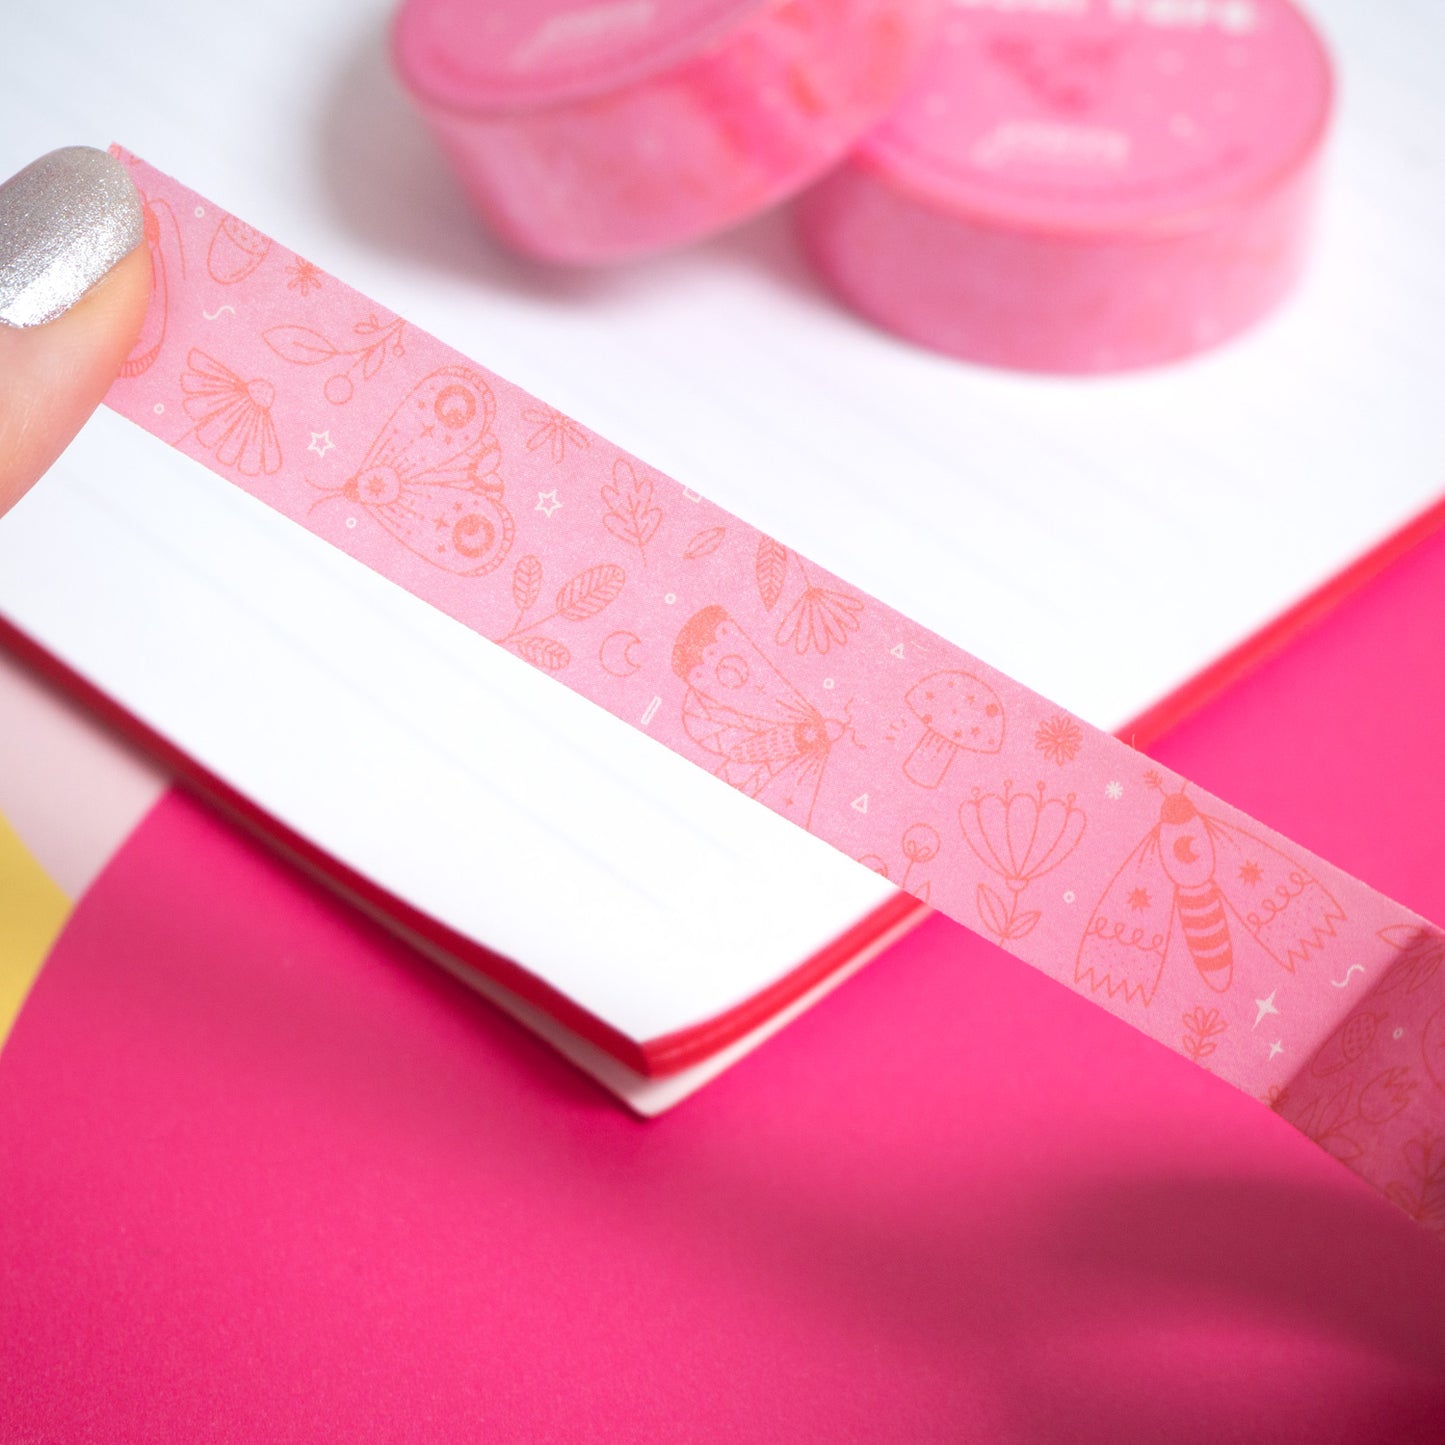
1265	1006
321	443
547	502
1139	898
1277	1047
1114	791
1250	873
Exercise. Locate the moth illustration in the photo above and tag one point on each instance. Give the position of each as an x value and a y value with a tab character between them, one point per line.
769	738
430	477
1218	884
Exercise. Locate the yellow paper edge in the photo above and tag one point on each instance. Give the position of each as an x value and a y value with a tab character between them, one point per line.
33	910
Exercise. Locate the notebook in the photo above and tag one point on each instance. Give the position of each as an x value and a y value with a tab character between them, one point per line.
924	482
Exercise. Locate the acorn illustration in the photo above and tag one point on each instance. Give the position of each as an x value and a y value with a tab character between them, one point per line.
961	713
236	250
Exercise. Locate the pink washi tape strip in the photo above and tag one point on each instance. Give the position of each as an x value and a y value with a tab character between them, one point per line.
1084	185
1161	903
595	133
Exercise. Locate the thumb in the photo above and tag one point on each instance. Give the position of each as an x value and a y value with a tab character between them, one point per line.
74	282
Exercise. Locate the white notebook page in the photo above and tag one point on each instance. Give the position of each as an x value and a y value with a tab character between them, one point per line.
649	892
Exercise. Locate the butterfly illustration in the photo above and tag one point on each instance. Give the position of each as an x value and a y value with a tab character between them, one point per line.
163	237
1213	880
770	739
430	478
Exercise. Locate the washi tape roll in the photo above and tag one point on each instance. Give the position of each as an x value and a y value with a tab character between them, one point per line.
1084	185
600	132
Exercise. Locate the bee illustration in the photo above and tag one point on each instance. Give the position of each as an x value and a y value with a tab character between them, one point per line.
1213	878
770	739
430	477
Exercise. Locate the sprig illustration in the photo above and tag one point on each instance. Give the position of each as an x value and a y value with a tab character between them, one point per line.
302	346
579	599
1202	1028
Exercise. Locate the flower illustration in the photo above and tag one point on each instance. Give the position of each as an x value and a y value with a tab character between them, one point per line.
1019	836
818	619
233	416
303	276
1059	739
555	430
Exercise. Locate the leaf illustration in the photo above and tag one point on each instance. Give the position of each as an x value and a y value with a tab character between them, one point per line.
299	344
543	652
704	544
1338	1143
992	911
1403	936
1023	924
630	514
772	568
371	362
590	591
924	890
526	583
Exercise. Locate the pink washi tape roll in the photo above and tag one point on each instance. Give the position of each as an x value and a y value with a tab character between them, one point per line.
1084	185
598	132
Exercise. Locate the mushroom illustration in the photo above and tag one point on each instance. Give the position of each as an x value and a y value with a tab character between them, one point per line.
961	713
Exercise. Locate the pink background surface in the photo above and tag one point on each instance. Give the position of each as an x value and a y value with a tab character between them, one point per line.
265	1175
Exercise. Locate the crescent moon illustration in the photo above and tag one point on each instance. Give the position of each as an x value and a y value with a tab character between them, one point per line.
617	653
1184	850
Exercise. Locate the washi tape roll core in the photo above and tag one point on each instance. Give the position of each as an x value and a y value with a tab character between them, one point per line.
1084	185
588	133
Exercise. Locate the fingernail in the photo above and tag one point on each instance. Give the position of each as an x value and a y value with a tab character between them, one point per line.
65	220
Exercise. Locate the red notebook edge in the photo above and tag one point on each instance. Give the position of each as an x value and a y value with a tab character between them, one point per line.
671	1053
1276	635
654	1058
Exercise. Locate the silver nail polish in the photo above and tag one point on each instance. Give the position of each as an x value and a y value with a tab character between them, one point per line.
65	220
